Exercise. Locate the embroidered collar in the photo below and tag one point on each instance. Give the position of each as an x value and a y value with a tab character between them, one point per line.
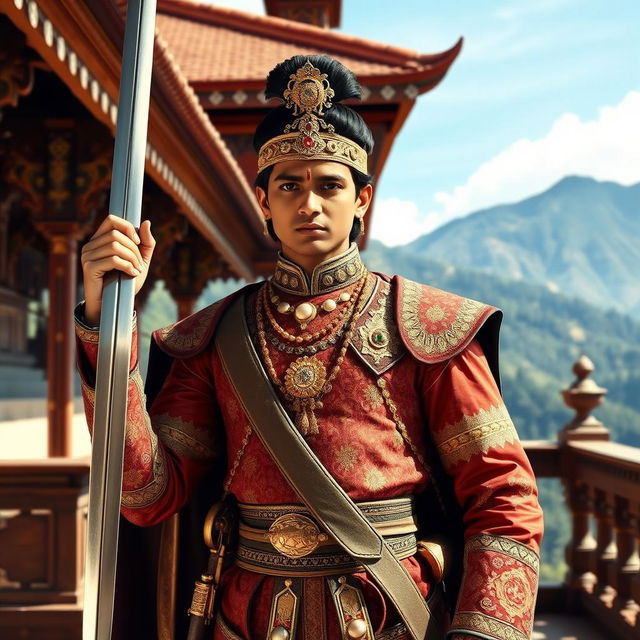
334	273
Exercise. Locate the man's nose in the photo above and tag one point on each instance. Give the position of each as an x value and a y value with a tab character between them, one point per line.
309	203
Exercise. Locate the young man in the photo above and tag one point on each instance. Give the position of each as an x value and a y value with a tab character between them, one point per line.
376	373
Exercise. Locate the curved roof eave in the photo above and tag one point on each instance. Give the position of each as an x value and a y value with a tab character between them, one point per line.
73	41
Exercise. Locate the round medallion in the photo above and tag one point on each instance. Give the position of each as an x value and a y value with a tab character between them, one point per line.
284	307
295	535
305	377
344	296
379	338
327	280
341	275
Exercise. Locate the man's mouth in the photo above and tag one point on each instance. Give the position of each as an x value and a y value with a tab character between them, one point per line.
311	226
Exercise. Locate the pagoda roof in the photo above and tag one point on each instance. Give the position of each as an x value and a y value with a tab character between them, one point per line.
221	48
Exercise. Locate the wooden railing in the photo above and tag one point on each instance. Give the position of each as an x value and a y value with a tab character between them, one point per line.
602	491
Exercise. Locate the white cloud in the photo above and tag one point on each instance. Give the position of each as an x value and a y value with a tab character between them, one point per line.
607	148
397	222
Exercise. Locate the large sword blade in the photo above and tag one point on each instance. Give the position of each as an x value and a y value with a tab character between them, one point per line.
105	481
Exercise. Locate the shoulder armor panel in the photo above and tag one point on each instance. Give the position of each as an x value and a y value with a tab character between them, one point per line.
436	325
190	336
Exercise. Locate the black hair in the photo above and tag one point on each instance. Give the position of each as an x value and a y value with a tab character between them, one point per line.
345	120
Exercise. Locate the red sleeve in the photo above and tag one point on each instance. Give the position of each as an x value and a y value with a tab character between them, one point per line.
495	486
168	449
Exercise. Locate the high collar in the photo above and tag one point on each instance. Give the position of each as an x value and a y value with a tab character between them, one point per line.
334	273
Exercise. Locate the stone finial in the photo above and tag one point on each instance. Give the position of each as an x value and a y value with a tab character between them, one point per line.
583	396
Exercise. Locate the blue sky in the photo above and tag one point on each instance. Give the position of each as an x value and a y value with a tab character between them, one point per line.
541	89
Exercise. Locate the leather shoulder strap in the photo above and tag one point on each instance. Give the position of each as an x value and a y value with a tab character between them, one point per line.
322	495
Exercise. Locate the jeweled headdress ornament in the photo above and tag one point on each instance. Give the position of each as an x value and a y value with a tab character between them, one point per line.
309	137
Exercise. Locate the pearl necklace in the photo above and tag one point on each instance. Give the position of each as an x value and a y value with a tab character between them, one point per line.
305	312
311	337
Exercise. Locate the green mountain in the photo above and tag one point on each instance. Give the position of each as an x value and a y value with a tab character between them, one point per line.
578	237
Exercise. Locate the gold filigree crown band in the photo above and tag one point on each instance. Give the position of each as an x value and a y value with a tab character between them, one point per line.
309	137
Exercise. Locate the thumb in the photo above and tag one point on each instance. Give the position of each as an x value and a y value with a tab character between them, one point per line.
147	241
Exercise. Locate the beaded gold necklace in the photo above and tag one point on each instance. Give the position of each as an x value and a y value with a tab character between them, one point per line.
333	326
306	380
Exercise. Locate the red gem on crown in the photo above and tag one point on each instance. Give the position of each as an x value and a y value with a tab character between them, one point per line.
307	141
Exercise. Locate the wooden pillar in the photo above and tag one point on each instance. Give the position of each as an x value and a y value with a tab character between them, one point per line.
582	546
607	550
63	257
628	561
62	195
185	306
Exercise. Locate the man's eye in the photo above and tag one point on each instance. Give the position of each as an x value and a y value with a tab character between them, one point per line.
332	186
288	186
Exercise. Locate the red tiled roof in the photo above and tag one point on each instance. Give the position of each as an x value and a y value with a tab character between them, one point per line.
215	45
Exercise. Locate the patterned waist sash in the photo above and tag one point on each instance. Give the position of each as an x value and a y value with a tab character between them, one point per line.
285	540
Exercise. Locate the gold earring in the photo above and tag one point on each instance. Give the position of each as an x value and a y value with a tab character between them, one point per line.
361	218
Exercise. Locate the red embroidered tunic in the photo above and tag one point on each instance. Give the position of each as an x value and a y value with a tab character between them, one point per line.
429	383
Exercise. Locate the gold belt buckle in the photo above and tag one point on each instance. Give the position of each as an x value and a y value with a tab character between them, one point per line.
294	535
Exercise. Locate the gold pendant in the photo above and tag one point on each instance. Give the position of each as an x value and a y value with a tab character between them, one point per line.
305	377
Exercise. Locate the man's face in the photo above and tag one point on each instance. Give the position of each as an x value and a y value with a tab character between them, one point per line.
312	204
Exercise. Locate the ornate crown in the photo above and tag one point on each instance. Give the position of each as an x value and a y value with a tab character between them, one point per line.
309	137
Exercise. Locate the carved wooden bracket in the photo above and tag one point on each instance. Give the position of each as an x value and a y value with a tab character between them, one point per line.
16	66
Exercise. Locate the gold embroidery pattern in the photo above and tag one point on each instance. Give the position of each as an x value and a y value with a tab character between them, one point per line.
224	629
435	342
397	632
490	627
87	335
374	479
144	496
89	393
93	335
336	273
474	434
372	397
514	592
188	334
183	438
377	341
503	545
346	457
326	560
